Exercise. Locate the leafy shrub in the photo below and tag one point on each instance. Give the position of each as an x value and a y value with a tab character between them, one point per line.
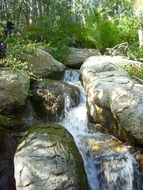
128	27
101	31
97	31
106	24
18	53
50	31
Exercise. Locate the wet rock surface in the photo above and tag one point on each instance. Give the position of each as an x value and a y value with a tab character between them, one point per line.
113	167
47	158
50	98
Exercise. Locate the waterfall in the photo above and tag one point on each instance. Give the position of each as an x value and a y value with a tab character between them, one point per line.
108	164
29	114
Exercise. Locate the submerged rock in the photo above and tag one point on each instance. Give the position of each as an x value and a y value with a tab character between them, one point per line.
43	65
47	158
114	99
53	98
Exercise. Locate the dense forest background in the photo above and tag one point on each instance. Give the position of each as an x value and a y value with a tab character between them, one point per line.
57	25
25	12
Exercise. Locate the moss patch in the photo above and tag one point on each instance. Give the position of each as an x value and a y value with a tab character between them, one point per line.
9	123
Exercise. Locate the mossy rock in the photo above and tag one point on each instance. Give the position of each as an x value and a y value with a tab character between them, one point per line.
14	89
48	155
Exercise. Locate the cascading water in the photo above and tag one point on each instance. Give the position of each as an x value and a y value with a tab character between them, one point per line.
108	164
29	113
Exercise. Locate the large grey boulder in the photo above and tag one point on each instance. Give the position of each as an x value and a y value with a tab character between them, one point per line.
77	56
14	87
53	98
47	159
114	99
43	65
14	90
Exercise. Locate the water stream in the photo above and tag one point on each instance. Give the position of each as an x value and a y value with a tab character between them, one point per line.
108	163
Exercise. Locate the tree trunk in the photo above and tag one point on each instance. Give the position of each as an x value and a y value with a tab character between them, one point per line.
14	11
140	36
5	9
39	8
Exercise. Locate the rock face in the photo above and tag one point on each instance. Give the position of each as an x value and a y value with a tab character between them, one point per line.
44	65
114	99
76	56
52	98
48	159
13	89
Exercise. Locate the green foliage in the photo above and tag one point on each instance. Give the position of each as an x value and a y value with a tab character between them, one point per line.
115	7
134	70
128	27
51	31
97	31
105	25
1	30
18	54
111	23
101	31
